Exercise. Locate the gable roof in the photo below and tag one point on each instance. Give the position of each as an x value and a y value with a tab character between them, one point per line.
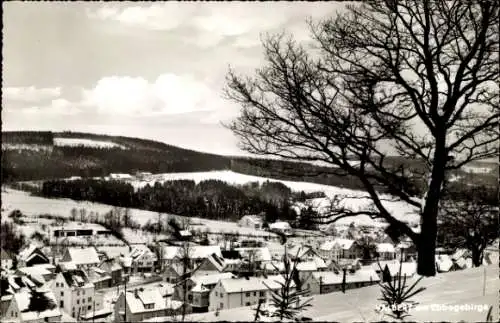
337	243
253	217
138	299
238	285
76	278
202	281
385	247
261	254
83	256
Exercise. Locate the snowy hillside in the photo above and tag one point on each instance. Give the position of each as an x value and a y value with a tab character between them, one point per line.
354	200
72	142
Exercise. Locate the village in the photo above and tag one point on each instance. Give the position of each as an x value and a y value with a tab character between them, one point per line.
90	275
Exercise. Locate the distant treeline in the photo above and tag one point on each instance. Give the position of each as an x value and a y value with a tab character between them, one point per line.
28	137
157	157
212	199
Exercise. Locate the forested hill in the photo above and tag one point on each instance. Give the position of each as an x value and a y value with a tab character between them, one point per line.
51	155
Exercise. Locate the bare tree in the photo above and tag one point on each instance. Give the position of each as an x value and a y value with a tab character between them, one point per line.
413	78
471	222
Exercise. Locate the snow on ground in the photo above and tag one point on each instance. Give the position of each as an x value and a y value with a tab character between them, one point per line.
401	210
454	289
35	205
72	142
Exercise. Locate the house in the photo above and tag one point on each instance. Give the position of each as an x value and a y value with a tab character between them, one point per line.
113	269
253	259
198	291
13	284
172	273
238	292
74	292
386	251
443	263
406	251
100	278
32	255
328	282
83	258
140	304
143	176
19	309
117	176
340	248
5	301
251	221
390	269
6	259
143	259
281	226
302	252
39	273
213	264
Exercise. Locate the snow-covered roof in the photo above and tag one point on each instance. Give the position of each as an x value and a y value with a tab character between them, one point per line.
385	247
307	266
137	299
112	251
280	225
22	300
262	254
327	277
459	253
140	251
407	268
76	278
358	276
273	266
336	243
83	256
200	252
254	218
443	263
170	252
202	281
238	285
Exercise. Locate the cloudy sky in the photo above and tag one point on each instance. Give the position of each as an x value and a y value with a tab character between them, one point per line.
150	70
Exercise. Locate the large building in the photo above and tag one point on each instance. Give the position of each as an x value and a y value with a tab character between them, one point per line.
239	292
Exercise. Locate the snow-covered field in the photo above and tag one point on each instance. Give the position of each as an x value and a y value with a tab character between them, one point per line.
353	199
358	305
72	142
34	205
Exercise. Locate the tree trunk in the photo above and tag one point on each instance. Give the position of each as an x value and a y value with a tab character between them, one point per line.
476	257
426	244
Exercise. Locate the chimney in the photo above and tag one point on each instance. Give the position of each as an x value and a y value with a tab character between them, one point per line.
136	293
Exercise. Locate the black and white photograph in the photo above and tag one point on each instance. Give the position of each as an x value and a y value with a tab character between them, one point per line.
250	161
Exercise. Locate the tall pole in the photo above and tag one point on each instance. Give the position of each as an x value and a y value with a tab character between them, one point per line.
93	307
125	310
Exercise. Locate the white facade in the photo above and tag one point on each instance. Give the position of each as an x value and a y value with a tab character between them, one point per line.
240	292
74	300
251	221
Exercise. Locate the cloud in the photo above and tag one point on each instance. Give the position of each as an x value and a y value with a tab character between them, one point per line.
168	94
30	94
207	24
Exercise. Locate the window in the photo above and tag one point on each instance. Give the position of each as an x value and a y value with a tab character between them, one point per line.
61	304
247	304
216	294
57	284
62	293
83	292
89	307
247	294
77	301
89	299
77	293
221	294
190	297
254	293
262	294
83	300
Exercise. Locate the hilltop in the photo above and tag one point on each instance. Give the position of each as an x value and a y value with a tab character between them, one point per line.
31	155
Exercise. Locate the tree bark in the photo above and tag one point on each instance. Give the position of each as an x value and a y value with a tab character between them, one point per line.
426	245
